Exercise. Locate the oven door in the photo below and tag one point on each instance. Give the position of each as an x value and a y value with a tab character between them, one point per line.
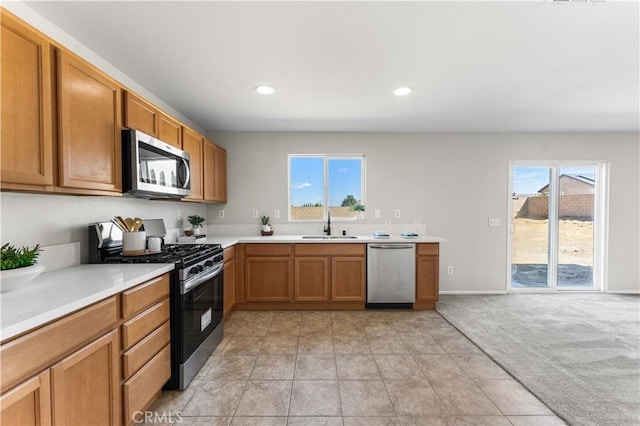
201	309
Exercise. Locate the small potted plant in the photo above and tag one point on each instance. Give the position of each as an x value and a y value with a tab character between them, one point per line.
266	226
196	223
18	266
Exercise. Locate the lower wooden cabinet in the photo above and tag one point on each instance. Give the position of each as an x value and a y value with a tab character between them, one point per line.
229	291
81	389
427	275
312	276
268	279
75	371
86	384
146	335
348	277
141	389
28	403
330	272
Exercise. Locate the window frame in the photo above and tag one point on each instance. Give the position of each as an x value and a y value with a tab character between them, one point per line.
325	190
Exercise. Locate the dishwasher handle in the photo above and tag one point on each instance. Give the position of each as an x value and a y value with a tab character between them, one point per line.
391	246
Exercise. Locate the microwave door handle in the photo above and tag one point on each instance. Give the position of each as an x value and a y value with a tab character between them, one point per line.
188	179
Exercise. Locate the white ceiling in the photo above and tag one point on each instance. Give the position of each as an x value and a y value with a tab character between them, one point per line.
473	66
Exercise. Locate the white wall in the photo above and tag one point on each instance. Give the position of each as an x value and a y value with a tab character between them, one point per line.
29	219
24	12
452	183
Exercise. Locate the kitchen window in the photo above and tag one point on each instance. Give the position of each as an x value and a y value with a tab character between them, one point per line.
323	184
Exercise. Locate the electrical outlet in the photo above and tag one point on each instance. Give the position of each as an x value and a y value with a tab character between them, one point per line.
255	212
449	270
276	214
494	221
221	214
178	215
376	213
396	214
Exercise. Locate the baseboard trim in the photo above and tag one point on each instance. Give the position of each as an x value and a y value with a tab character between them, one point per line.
474	292
623	292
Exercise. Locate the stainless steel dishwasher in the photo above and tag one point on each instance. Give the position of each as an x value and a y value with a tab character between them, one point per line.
391	275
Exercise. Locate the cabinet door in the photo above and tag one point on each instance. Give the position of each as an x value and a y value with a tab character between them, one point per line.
215	172
193	144
220	180
209	171
229	296
347	279
268	279
311	282
140	115
427	278
169	130
27	119
86	385
89	126
29	403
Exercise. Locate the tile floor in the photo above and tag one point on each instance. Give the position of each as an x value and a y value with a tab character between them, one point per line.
349	368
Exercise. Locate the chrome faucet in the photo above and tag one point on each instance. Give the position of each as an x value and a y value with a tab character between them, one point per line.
327	229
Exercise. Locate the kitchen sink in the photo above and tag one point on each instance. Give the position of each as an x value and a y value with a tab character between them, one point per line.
329	237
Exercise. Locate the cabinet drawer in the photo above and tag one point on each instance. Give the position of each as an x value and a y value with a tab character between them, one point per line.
141	297
229	253
138	355
268	249
139	391
40	348
428	249
322	249
140	326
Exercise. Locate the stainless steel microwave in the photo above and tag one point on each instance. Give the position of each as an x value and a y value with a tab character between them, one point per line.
152	168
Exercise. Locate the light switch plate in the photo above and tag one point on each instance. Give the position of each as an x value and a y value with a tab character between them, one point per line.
396	214
376	213
221	214
255	212
276	214
494	221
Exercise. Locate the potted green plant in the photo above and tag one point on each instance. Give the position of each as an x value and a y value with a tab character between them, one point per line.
196	223
266	226
18	266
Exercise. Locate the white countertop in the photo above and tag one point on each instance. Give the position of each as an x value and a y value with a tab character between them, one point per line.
229	240
55	294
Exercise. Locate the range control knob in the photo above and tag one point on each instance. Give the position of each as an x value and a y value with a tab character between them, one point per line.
193	270
208	263
200	268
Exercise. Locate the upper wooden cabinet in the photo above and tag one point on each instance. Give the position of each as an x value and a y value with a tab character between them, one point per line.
192	143
169	130
215	172
26	105
89	126
141	115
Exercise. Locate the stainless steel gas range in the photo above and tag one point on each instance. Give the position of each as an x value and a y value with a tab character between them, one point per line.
195	295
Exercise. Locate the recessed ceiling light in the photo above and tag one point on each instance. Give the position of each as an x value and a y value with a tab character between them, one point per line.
264	89
402	91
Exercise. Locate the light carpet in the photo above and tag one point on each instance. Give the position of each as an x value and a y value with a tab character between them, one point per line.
578	353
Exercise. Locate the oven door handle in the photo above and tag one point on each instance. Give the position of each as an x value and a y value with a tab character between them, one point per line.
189	285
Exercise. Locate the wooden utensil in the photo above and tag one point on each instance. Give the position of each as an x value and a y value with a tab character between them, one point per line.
137	223
122	223
118	225
129	223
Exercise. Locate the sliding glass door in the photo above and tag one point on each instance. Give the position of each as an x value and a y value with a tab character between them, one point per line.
556	226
